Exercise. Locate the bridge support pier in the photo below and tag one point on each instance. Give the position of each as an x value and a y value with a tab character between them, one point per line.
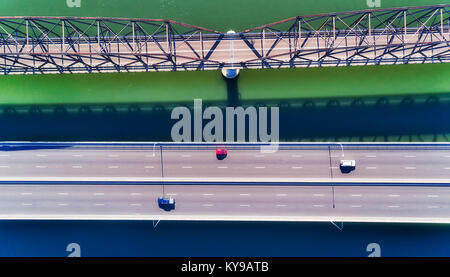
230	73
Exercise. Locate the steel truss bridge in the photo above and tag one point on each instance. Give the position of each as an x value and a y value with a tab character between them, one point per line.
42	45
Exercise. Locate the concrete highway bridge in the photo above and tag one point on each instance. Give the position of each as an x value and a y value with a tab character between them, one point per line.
42	45
392	182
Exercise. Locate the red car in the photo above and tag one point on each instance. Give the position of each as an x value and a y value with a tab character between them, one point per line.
221	153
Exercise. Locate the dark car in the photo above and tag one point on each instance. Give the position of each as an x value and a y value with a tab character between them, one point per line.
166	203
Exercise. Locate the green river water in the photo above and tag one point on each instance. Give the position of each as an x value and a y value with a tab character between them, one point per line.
292	86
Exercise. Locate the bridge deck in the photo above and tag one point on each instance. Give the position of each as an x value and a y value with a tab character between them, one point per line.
69	45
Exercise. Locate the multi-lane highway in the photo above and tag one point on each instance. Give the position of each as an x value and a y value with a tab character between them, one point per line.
249	203
290	163
299	182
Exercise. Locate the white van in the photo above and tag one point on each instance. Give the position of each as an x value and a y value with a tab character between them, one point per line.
348	164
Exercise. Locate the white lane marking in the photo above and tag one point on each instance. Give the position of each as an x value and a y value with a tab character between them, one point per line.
410	156
244	205
281	194
150	156
296	156
4	155
356	206
135	204
77	155
186	167
41	166
297	167
394	206
99	204
260	167
27	204
186	156
433	195
113	156
433	207
113	166
135	193
223	167
318	195
356	195
371	156
99	193
334	156
208	194
394	195
41	155
371	167
208	205
27	193
259	156
446	156
281	205
171	194
77	166
149	166
244	194
63	193
409	167
4	166
333	167
447	168
318	206
63	204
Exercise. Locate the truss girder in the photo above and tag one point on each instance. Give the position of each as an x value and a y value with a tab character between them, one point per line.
40	45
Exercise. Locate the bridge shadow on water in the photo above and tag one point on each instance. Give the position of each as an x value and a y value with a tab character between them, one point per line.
351	119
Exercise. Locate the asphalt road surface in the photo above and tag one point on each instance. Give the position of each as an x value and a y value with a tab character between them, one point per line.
249	203
242	165
76	183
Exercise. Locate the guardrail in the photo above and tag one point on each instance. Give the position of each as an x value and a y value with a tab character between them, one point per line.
11	146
